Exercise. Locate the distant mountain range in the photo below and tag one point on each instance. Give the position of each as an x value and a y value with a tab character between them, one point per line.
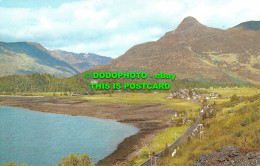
26	58
82	61
192	51
196	52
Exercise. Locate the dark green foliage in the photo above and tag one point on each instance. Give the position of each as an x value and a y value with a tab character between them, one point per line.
79	84
42	83
250	25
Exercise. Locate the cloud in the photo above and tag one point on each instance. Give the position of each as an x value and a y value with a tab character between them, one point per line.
110	27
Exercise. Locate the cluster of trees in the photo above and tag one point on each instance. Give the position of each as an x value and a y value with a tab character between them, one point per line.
14	164
42	83
71	160
79	84
76	160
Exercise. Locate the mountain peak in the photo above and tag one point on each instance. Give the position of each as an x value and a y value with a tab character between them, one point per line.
190	19
189	24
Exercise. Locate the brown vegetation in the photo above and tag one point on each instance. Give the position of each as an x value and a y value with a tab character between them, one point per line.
197	52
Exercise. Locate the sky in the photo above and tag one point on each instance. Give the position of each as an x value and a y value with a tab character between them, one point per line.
111	27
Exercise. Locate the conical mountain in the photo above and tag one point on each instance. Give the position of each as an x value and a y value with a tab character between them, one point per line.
189	25
196	52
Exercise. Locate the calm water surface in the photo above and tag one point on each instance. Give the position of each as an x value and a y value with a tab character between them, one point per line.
42	139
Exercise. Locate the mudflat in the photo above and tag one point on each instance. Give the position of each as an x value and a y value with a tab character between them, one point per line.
149	118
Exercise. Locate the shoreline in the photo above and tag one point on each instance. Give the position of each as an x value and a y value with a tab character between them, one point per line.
147	118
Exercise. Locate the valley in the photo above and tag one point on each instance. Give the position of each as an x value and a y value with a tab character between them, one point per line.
21	58
156	116
169	92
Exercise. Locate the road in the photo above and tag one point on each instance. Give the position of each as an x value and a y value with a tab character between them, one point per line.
183	138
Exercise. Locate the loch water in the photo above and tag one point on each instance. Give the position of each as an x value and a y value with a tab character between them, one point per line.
42	139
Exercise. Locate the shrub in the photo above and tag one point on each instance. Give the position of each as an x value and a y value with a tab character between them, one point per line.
76	160
234	98
166	150
14	164
239	133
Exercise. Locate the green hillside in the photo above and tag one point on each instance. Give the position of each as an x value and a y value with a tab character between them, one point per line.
249	25
235	123
27	58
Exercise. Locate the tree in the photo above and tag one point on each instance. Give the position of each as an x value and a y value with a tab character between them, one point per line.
204	116
189	140
190	93
179	122
14	164
76	160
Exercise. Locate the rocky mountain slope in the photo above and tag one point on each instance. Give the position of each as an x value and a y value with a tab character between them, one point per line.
197	52
82	61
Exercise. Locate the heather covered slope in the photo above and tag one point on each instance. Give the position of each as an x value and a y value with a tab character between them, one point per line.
196	52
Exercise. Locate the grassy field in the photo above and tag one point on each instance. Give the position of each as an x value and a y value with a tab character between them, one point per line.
230	91
42	94
169	135
218	101
158	144
143	98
